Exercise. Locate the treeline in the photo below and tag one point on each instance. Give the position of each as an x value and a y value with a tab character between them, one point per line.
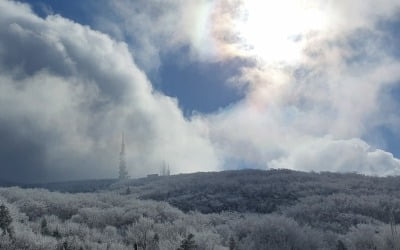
82	186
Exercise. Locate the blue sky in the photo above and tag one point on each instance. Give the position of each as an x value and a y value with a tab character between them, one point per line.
199	87
204	85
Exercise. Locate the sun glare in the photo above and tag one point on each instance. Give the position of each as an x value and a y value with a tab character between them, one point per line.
275	31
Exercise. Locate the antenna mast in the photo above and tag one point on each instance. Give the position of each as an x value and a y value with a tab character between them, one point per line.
123	172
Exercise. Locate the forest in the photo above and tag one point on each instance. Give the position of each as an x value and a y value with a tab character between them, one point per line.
230	210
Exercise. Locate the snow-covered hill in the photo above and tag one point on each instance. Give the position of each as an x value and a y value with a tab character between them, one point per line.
246	209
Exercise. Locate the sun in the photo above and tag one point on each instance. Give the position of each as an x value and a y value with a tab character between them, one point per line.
277	31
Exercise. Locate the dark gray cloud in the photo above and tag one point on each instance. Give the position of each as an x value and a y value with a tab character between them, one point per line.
21	155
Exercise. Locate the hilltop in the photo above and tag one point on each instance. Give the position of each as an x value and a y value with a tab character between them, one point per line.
243	209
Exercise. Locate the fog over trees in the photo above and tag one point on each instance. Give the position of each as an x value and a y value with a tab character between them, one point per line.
235	210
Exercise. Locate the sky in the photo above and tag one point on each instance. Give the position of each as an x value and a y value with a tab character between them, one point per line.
203	85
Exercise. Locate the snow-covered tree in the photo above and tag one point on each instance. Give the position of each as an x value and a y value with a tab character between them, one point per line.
5	221
188	243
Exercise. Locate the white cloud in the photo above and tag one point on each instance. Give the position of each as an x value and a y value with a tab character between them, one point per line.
336	91
333	89
79	89
155	27
327	154
281	112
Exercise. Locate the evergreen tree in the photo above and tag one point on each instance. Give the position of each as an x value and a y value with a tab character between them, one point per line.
188	243
64	246
232	243
128	191
56	234
340	246
154	243
43	226
5	220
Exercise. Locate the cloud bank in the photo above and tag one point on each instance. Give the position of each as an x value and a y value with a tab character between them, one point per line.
313	113
68	92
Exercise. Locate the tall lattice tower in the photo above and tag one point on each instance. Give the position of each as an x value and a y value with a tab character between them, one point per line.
123	172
